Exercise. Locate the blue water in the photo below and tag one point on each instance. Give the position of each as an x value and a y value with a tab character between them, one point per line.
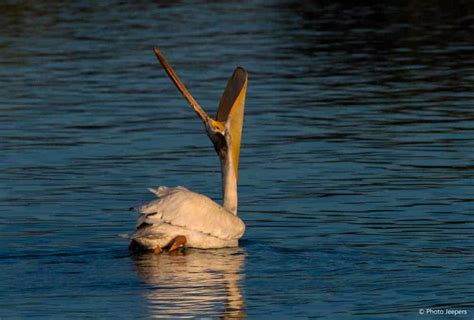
357	162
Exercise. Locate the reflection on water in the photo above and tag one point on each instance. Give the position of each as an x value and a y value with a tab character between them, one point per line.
192	284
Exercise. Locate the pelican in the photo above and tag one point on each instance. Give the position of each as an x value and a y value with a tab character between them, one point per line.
180	217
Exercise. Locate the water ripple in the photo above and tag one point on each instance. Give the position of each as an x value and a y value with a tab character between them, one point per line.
356	164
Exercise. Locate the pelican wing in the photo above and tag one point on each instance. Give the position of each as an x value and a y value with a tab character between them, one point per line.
183	208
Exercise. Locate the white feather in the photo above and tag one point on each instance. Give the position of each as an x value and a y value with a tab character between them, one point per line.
179	211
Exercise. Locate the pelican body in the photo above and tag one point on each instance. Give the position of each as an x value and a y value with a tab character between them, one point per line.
180	217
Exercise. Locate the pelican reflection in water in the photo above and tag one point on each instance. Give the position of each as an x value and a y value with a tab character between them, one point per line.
201	283
180	217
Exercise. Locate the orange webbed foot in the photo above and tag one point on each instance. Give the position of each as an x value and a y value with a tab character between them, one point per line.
177	243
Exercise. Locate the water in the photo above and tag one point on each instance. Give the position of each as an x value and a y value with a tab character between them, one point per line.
357	163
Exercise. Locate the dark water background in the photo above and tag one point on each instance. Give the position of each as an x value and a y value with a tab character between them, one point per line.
357	163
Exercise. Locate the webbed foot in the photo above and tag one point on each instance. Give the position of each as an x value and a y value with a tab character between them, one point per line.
177	243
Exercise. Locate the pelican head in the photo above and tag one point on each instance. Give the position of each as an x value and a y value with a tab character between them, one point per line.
225	130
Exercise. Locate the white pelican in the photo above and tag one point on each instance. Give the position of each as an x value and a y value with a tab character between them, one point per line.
180	217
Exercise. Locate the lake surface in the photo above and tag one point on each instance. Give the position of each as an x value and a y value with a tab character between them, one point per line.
357	162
